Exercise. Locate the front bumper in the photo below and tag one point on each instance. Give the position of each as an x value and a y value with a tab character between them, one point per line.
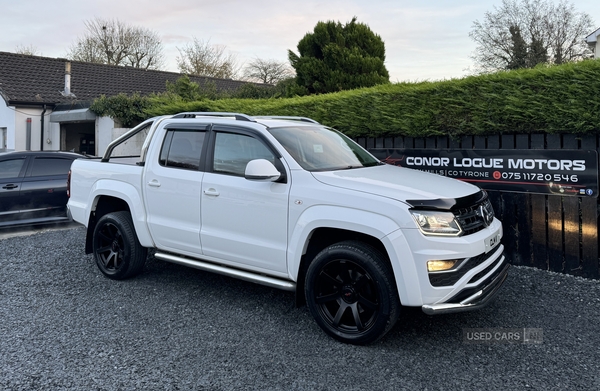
472	298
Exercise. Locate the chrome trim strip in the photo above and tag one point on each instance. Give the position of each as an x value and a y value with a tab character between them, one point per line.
478	300
227	271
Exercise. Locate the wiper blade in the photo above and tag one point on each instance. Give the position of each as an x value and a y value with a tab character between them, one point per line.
363	165
373	164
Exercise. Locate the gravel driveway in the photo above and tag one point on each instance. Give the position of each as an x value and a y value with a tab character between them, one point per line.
63	326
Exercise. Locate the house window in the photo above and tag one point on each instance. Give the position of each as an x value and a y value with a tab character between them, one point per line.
3	133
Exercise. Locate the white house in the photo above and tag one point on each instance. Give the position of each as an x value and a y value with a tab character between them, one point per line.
594	43
45	101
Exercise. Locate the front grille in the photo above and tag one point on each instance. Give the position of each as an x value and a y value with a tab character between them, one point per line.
471	219
451	277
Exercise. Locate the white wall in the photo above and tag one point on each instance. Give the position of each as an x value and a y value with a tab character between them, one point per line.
104	133
52	132
7	120
131	147
21	116
14	119
20	129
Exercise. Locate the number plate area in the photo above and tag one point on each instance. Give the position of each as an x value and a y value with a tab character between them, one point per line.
492	242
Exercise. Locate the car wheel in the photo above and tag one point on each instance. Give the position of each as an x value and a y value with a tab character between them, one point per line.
351	292
117	251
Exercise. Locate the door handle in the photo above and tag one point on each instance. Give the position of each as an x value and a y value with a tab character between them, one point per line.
211	192
154	183
10	187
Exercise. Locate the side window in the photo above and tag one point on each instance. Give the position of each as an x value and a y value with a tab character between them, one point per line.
182	149
234	151
43	166
11	168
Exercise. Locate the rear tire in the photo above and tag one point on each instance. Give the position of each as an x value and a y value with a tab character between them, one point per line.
351	292
117	250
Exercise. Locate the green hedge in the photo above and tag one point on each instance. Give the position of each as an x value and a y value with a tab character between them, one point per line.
547	99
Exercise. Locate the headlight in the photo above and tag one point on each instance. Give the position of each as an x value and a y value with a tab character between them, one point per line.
432	222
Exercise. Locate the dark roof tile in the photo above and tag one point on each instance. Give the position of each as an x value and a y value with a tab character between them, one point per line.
34	79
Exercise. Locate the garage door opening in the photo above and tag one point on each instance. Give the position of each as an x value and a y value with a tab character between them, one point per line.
78	137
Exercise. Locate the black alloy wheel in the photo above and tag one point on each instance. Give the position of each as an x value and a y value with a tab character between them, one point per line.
117	251
351	293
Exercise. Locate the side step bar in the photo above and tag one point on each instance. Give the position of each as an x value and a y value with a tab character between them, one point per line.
227	271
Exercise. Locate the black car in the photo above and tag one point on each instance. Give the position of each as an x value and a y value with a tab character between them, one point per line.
33	186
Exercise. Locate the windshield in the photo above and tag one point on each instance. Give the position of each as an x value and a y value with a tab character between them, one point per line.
318	148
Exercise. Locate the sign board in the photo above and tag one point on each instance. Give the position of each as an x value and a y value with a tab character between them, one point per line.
561	172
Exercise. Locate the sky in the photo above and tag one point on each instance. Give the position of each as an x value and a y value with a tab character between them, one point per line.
425	40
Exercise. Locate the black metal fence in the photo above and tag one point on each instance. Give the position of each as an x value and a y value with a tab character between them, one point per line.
550	232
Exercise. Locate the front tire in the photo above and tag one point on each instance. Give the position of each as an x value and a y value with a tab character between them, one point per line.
117	251
351	293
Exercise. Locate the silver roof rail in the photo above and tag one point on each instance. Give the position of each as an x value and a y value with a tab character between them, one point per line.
288	117
237	116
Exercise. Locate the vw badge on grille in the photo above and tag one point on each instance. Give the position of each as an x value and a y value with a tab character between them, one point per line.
486	213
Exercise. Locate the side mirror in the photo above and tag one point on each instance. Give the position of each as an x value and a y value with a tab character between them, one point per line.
261	170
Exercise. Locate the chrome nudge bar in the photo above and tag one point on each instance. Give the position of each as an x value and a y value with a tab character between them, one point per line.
477	300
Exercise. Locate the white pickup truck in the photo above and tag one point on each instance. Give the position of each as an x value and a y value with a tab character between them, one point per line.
291	204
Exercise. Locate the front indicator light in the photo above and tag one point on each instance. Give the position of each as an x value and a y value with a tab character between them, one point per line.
436	223
438	266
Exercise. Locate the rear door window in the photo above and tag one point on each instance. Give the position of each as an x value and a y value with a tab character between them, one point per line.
182	148
48	166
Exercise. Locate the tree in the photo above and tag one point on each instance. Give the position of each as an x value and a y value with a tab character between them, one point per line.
116	43
518	49
184	88
339	57
200	58
254	91
27	50
537	53
190	91
552	33
267	71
